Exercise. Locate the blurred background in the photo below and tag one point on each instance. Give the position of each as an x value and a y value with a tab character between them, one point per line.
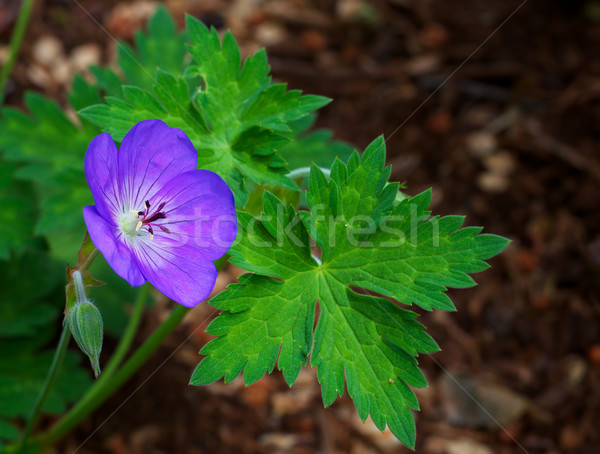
495	105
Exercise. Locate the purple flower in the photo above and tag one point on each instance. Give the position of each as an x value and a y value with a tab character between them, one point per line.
157	217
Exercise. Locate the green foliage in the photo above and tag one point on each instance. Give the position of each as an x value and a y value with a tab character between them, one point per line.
110	298
32	298
234	115
161	47
8	431
369	243
17	214
52	157
51	160
23	369
316	147
25	282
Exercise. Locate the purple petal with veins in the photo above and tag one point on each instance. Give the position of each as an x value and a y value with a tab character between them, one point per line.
156	217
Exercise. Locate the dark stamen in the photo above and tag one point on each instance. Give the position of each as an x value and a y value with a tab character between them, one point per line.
155	217
147	219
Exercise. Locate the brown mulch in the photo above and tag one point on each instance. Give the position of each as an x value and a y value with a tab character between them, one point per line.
511	139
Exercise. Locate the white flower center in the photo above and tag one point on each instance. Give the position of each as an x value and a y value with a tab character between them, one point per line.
127	223
134	224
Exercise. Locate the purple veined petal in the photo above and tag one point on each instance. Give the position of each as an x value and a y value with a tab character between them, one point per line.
101	174
200	211
151	155
116	252
180	273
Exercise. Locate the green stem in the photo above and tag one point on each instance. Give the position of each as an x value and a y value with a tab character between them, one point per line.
109	386
122	348
126	340
15	43
85	265
50	378
63	343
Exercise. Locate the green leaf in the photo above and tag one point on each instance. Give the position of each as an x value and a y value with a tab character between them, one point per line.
160	47
8	431
32	302
52	161
113	299
17	215
369	243
25	281
316	147
22	377
234	115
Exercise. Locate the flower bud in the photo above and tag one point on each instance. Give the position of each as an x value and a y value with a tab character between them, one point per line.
85	322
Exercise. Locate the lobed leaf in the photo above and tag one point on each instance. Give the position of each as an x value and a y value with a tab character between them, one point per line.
369	242
234	115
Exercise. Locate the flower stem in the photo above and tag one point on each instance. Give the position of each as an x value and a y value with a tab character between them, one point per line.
110	385
85	265
80	295
127	339
121	350
65	336
15	43
48	383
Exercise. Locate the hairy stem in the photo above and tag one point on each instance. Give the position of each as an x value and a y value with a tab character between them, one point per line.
60	352
121	350
15	43
110	385
80	295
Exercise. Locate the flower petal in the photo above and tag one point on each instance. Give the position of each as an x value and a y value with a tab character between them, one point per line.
200	212
116	253
151	155
182	274
100	172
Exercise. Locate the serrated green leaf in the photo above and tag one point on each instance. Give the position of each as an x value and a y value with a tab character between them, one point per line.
107	81
234	115
369	243
83	93
160	47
